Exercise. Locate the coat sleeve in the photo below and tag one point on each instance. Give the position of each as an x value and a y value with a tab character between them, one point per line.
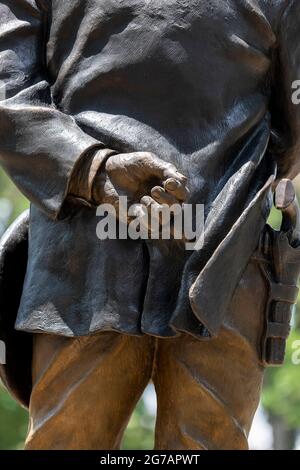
39	145
285	98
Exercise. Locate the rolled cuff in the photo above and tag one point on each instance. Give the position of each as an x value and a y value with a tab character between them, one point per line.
84	174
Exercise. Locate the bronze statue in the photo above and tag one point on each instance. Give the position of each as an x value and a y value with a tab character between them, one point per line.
173	102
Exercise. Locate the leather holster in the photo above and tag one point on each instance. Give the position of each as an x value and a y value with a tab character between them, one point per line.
280	265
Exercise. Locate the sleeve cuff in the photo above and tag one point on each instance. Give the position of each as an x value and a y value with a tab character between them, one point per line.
84	174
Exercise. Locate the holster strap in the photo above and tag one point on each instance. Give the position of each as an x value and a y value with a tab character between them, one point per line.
278	330
283	293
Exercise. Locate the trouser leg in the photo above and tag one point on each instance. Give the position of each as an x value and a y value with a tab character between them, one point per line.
85	389
208	390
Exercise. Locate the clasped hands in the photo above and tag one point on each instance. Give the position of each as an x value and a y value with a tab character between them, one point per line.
147	182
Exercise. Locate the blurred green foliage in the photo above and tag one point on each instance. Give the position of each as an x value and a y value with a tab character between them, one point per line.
281	395
13	423
8	192
139	433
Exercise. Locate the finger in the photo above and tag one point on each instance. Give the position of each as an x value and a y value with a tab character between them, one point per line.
162	169
150	203
138	211
155	210
170	171
163	197
109	194
176	189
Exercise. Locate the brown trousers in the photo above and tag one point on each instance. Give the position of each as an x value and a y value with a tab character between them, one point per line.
85	389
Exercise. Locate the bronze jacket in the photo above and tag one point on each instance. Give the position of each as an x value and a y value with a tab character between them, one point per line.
209	85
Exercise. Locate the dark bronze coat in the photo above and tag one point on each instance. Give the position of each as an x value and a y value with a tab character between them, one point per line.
206	85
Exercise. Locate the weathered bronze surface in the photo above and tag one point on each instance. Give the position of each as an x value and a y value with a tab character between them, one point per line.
164	102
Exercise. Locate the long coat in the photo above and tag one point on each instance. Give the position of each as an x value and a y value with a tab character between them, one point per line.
208	85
